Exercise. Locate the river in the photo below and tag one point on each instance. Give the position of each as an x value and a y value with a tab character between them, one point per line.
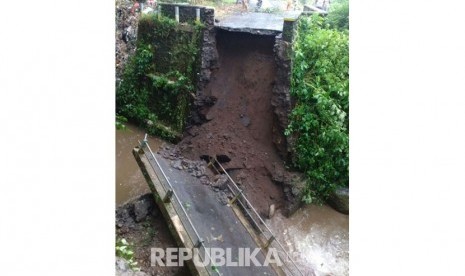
130	182
319	238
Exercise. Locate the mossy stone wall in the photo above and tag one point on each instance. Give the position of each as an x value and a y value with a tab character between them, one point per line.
159	83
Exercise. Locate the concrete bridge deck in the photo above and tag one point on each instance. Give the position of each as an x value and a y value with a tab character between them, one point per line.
194	214
255	23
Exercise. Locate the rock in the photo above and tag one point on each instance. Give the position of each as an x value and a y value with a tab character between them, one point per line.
124	216
209	116
339	200
123	269
245	121
142	208
121	265
294	184
204	180
220	183
198	170
223	198
277	173
177	164
271	211
193	131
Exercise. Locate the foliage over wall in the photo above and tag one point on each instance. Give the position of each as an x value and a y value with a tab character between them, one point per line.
338	15
160	78
319	121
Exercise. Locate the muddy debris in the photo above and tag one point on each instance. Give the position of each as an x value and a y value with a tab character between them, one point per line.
241	119
199	169
223	198
220	181
141	224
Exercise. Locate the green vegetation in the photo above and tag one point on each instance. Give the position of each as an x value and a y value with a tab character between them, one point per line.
338	15
319	121
211	3
123	250
159	80
272	10
120	120
150	233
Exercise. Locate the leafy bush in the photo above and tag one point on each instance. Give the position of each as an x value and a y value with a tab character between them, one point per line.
319	121
338	15
120	120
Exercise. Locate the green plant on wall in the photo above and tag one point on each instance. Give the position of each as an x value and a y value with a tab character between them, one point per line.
132	93
159	81
319	121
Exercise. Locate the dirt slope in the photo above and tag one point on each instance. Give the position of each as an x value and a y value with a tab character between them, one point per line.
240	121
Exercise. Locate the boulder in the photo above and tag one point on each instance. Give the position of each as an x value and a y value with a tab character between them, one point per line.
339	200
294	184
143	207
271	211
223	198
220	182
123	269
124	216
177	164
122	265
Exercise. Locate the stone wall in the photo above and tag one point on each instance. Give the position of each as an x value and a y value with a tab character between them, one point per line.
293	183
209	53
289	26
208	62
281	99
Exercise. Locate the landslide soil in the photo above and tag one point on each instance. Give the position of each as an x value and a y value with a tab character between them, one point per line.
239	124
144	233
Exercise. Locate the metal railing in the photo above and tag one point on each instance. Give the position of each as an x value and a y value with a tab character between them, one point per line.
238	196
171	196
258	222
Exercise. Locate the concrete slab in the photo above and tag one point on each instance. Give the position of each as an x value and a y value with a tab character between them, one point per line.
215	222
255	23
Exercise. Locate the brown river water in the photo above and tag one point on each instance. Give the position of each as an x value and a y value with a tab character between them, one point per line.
130	182
316	236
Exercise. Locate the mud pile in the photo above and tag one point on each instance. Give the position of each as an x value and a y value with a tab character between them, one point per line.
238	127
140	222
